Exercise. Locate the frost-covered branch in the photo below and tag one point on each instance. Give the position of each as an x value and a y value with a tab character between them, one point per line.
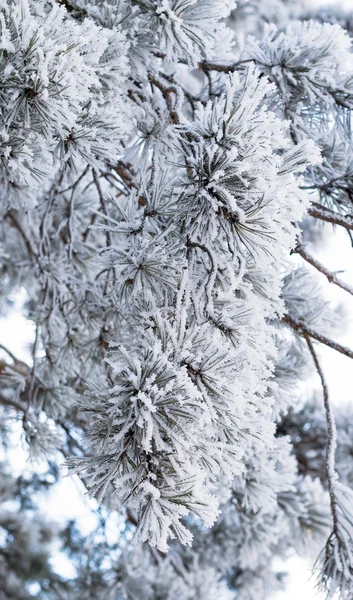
153	177
324	214
331	277
331	434
303	330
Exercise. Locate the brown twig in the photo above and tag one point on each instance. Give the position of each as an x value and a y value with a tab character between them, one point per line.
332	277
206	65
190	97
170	94
305	332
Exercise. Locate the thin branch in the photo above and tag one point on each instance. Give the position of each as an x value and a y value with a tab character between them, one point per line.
27	241
330	216
190	97
305	332
331	435
71	220
332	278
168	92
75	184
13	403
9	353
102	202
108	233
206	65
221	67
33	375
324	208
211	274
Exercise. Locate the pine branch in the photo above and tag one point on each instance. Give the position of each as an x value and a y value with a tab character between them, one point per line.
74	185
157	555
33	372
325	214
304	331
331	435
19	367
332	278
211	275
328	186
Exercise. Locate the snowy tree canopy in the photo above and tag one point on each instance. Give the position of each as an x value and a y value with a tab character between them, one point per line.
169	169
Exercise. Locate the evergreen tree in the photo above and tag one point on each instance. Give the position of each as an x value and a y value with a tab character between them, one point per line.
167	169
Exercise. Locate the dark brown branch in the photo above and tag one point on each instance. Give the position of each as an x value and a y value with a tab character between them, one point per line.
170	94
332	278
305	332
190	97
222	68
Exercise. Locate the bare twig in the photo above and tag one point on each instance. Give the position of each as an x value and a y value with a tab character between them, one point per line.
305	332
221	67
74	185
331	434
71	221
190	97
170	94
325	214
206	65
9	353
332	277
102	202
